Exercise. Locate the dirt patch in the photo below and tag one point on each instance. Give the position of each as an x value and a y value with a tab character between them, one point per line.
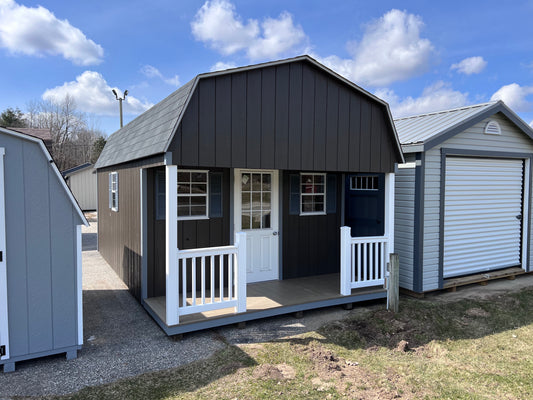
477	312
276	372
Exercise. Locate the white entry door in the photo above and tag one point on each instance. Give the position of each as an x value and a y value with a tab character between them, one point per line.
4	329
256	213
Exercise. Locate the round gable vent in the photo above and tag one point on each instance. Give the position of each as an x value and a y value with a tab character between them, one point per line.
493	128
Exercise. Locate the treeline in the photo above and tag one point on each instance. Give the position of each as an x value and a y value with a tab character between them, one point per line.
75	138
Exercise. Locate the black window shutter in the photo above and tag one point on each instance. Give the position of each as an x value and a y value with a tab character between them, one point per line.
215	195
160	195
294	195
331	194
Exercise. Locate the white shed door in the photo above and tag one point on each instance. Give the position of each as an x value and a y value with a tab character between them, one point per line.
4	329
482	214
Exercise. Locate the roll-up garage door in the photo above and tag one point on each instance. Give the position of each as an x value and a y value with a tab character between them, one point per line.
482	214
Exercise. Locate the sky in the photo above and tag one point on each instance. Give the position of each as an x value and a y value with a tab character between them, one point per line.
419	56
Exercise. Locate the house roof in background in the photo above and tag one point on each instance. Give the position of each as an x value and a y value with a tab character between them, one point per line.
43	134
433	128
52	165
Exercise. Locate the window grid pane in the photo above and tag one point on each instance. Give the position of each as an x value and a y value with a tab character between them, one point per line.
312	194
256	200
192	193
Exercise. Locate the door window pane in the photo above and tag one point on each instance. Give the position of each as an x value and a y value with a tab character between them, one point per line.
256	199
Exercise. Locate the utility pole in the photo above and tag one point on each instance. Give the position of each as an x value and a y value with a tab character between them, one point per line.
120	102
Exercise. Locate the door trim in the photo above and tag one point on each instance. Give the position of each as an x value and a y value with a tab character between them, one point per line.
4	320
275	216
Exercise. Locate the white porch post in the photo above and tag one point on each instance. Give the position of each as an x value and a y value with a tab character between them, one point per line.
389	213
346	267
171	256
240	243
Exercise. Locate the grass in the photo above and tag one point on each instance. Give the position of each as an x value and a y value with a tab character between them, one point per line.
480	349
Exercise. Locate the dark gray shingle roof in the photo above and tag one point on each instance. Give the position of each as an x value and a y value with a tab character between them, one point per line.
149	133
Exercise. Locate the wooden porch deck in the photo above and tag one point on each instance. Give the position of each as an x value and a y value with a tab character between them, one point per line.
266	299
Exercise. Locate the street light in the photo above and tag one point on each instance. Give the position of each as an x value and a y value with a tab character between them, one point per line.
120	102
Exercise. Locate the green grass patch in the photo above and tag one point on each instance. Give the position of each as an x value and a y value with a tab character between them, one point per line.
469	349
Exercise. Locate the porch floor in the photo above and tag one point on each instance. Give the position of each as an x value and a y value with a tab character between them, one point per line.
265	299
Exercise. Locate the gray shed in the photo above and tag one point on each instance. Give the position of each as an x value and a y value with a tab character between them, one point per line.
82	182
40	255
463	197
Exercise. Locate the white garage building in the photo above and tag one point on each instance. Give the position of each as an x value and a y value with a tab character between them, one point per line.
463	197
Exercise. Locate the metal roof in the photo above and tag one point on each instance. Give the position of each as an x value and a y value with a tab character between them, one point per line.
422	132
420	128
69	171
151	132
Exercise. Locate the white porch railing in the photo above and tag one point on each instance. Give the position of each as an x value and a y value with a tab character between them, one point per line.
212	278
363	261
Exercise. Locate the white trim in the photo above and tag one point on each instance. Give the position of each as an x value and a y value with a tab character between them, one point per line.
409	165
389	212
4	320
525	214
323	194
79	288
171	244
54	168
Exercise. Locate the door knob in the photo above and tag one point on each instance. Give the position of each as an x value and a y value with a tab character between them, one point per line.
275	233
519	216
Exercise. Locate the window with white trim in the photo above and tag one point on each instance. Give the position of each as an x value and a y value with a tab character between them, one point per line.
113	191
193	194
312	194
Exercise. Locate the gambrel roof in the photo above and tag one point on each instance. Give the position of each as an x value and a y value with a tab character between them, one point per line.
422	132
153	131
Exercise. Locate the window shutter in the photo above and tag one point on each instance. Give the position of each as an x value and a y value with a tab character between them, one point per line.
215	195
331	194
294	194
110	176
160	195
116	193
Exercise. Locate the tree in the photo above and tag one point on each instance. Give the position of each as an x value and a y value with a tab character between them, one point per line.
12	118
72	138
98	146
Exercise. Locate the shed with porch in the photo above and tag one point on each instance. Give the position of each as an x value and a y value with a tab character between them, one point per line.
40	255
264	164
463	197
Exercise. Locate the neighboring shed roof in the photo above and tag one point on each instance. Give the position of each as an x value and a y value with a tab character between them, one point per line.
422	132
78	168
151	133
52	165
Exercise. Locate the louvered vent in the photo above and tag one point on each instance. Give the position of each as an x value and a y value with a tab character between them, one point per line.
493	128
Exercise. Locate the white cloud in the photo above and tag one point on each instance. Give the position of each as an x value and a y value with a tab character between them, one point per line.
439	96
152	72
515	96
218	25
37	31
221	65
391	50
93	95
471	65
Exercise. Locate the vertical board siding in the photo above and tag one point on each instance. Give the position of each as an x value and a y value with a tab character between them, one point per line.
41	252
289	116
311	244
473	138
404	225
119	233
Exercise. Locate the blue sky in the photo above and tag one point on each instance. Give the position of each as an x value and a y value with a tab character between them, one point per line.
419	56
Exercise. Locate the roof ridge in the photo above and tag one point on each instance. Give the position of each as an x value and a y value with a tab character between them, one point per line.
448	110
